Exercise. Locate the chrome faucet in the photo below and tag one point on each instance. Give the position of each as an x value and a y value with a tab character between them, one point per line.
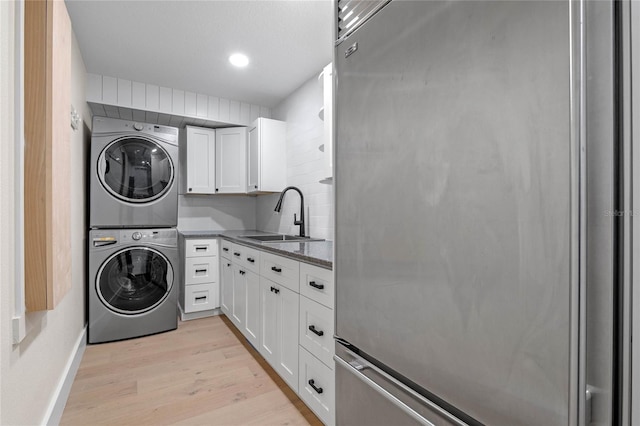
300	222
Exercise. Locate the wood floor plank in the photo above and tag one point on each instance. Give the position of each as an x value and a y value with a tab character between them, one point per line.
203	373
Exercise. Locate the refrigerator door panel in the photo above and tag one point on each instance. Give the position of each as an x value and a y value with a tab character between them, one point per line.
454	187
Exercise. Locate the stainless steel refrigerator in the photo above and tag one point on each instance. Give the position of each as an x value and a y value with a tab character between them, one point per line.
476	252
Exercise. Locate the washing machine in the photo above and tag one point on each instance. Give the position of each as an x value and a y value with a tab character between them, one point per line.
133	174
132	283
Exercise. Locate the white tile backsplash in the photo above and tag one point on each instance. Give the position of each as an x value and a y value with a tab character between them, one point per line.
216	212
305	168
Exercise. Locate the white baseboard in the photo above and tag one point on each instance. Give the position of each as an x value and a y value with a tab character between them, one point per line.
197	315
59	399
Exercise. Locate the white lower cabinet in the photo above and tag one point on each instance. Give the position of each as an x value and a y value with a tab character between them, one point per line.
279	340
239	290
268	321
226	283
200	297
200	281
252	311
261	295
317	386
316	329
317	377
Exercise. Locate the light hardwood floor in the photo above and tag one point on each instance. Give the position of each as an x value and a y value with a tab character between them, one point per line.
203	373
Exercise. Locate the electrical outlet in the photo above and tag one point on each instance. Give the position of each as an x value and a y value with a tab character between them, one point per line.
75	118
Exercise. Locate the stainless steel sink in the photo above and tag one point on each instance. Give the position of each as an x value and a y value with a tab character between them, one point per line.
278	238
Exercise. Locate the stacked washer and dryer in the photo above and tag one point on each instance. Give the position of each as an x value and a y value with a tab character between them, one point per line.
133	241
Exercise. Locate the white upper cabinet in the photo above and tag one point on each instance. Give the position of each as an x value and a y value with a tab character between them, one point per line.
198	160
266	156
231	160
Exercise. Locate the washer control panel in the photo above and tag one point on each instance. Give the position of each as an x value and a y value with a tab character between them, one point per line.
168	237
115	237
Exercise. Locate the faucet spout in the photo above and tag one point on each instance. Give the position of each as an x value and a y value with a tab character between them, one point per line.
300	222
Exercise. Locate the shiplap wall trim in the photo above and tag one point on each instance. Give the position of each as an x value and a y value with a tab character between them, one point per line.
133	100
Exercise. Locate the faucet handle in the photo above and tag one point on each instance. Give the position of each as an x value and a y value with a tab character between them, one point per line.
296	221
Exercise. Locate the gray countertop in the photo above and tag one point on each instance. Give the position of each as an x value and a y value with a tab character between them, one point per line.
319	253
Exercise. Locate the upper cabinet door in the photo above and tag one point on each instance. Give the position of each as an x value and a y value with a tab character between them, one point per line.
267	156
253	154
231	160
200	161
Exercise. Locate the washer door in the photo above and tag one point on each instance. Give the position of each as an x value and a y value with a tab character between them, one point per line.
135	169
134	280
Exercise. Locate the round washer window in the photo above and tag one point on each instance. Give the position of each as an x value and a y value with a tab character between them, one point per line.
134	280
135	169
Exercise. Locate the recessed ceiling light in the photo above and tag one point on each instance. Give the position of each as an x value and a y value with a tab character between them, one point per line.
239	60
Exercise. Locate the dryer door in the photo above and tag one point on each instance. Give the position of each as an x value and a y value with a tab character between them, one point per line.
136	169
134	280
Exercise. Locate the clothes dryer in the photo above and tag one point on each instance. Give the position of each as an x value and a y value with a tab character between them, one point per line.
133	174
132	282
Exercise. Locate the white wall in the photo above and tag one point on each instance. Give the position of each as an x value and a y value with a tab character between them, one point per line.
216	212
305	167
32	370
7	258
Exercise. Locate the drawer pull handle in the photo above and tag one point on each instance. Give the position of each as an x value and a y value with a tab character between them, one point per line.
236	254
225	249
314	285
202	248
275	290
274	269
250	260
312	383
312	328
199	298
201	271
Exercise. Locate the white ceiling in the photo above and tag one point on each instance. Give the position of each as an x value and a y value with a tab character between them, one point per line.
185	44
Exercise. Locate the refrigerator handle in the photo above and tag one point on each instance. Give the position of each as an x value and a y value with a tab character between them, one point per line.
355	367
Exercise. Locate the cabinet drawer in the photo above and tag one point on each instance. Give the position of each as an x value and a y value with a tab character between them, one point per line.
280	270
316	386
317	284
199	270
316	330
201	297
226	248
251	259
201	248
236	254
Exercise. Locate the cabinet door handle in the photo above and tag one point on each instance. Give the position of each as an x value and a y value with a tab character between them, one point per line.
318	286
242	272
274	269
236	254
312	383
275	290
225	249
312	328
228	264
250	260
